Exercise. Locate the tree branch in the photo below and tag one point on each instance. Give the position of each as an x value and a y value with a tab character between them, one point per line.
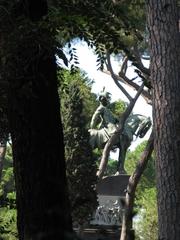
122	78
109	66
124	66
134	56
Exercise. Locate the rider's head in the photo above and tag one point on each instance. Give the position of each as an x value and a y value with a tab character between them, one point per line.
104	97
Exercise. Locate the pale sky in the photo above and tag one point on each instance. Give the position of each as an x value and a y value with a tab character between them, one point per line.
87	61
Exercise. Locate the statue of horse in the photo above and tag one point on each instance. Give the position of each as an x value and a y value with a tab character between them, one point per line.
135	125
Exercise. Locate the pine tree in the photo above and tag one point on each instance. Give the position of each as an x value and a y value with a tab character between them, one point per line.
163	19
81	166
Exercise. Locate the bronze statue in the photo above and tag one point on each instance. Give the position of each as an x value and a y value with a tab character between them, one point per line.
104	124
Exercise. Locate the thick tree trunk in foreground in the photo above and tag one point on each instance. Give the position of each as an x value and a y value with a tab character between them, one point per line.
37	141
164	40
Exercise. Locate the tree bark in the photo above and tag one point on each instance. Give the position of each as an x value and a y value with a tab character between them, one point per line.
37	143
165	80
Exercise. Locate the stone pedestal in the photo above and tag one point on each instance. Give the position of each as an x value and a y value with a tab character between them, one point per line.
110	191
113	185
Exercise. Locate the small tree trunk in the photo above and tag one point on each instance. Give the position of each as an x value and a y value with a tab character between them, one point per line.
127	232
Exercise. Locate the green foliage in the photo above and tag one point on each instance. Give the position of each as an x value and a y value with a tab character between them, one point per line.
106	25
7	185
111	167
118	107
80	162
147	225
89	99
116	26
8	228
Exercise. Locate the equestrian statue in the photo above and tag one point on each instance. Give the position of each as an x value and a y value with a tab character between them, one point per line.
104	124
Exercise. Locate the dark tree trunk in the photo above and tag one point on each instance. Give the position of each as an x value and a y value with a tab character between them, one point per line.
37	141
164	41
4	131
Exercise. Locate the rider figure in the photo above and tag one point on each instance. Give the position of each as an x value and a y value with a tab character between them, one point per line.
103	123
